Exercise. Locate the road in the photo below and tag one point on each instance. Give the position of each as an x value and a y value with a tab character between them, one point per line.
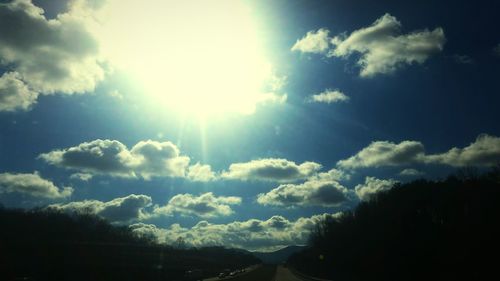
264	273
284	274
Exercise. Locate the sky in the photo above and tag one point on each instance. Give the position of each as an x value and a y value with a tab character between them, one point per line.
240	123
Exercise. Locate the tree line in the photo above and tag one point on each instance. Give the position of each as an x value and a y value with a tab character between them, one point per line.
421	230
44	244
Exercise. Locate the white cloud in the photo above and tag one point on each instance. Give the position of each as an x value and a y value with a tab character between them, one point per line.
15	94
123	209
329	96
110	157
59	55
206	205
372	186
154	158
81	176
271	169
384	49
331	175
314	42
309	193
384	153
95	157
411	173
253	234
484	151
199	172
33	185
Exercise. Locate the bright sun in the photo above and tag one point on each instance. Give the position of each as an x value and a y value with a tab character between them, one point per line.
199	57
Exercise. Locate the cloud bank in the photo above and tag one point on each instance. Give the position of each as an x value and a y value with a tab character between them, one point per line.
253	234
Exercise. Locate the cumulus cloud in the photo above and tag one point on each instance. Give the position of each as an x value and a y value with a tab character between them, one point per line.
48	56
411	173
95	157
309	193
253	234
154	158
314	42
331	175
110	157
15	94
384	49
372	186
33	185
199	172
384	153
329	96
484	151
206	205
271	169
123	209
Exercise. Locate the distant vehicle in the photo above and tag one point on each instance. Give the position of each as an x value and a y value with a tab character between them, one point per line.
224	273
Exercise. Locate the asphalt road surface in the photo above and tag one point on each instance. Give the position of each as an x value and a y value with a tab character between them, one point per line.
265	273
284	274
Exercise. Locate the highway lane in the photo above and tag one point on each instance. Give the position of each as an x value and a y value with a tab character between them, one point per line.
284	274
264	273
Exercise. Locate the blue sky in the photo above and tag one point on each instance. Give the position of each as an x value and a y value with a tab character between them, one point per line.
239	123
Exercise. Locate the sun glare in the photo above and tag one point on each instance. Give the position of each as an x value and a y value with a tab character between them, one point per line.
199	57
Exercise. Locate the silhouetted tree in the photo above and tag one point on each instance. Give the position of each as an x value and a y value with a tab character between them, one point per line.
416	231
45	244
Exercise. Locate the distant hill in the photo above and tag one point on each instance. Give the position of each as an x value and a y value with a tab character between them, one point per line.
49	245
278	256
